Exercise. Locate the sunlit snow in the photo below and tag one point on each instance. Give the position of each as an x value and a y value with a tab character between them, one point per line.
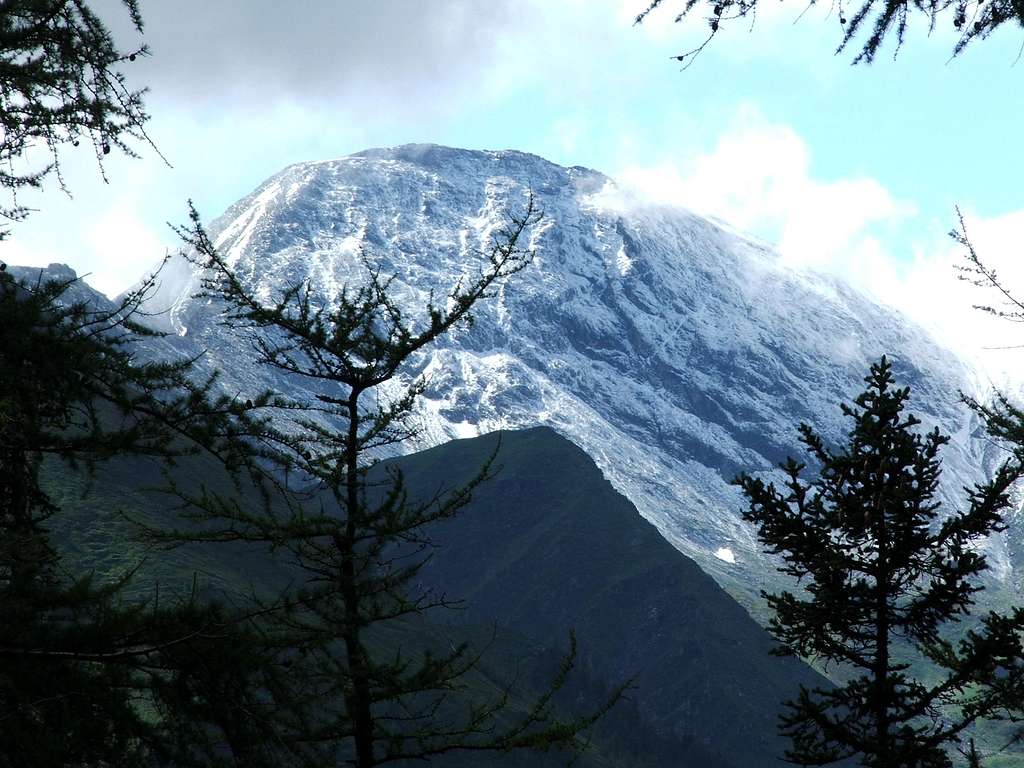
622	261
725	554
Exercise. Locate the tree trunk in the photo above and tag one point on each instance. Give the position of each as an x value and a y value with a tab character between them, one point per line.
882	577
359	698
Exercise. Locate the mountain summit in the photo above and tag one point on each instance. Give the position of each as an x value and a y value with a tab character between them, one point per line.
673	351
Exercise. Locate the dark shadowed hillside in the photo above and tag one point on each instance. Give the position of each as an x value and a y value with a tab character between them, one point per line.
545	546
548	546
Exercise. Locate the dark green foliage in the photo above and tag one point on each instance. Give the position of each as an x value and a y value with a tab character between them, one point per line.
973	758
881	567
76	658
71	718
60	82
217	701
57	365
88	678
873	21
73	389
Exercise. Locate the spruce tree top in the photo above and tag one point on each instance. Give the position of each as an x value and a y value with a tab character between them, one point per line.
884	575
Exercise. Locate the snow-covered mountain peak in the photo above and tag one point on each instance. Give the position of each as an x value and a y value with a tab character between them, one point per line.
674	351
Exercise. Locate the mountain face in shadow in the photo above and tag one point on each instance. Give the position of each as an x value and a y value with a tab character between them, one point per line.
547	546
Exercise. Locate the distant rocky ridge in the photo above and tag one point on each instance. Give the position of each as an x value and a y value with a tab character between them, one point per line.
78	290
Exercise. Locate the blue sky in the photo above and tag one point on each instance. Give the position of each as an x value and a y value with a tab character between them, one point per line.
853	170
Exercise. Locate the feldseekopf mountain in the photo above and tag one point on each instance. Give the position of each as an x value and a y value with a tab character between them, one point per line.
675	351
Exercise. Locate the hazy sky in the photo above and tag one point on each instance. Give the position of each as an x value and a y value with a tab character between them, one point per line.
851	169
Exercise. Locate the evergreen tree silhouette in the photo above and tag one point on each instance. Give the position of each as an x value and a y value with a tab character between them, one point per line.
882	568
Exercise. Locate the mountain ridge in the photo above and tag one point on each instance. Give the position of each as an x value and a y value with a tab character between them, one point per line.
675	352
548	546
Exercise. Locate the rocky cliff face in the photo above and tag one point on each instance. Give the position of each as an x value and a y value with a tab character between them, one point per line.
673	351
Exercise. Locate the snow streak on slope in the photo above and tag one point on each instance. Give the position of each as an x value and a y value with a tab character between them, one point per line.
674	352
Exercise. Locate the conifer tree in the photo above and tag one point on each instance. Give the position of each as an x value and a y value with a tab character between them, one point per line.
61	82
77	661
882	567
358	543
74	656
872	22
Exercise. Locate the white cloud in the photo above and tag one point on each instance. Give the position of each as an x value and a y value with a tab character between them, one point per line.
15	253
256	88
758	178
116	248
124	248
928	289
567	133
402	55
